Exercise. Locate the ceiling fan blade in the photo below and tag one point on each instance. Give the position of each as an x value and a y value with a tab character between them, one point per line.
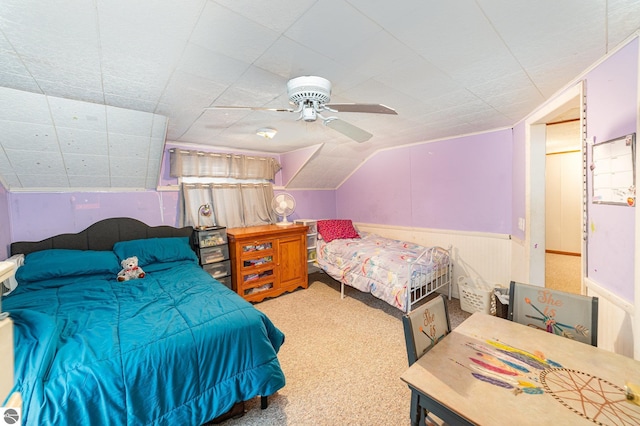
250	108
355	133
370	108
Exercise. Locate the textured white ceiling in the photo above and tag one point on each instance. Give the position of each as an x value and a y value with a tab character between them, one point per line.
92	82
57	143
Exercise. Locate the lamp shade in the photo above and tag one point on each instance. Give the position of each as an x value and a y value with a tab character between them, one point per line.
204	211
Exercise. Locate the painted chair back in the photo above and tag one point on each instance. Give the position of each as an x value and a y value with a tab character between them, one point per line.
425	326
569	315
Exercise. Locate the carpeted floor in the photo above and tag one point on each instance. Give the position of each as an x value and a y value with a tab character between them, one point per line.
342	359
562	272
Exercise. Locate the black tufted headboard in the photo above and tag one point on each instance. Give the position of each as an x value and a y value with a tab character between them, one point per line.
101	236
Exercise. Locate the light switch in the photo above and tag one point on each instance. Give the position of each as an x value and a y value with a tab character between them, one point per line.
521	223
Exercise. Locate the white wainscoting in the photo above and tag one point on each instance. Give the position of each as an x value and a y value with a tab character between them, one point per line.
484	257
519	261
615	320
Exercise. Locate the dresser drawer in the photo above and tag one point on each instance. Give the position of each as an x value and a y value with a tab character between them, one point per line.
253	291
251	248
251	279
214	254
218	270
257	262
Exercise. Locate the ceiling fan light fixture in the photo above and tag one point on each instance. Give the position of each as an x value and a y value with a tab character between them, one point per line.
267	132
308	113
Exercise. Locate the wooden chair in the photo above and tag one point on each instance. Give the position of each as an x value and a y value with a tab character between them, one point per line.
565	314
425	326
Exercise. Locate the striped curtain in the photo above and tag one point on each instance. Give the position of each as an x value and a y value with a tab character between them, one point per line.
219	165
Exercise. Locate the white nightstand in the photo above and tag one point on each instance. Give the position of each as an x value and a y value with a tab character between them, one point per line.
7	269
6	355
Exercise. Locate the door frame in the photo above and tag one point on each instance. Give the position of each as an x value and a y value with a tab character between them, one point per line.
535	168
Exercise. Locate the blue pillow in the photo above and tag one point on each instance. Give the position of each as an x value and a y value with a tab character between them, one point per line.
156	250
165	266
56	263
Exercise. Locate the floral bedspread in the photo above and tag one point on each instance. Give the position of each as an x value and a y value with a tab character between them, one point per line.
377	265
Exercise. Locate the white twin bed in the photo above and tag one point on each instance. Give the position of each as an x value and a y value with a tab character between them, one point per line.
399	272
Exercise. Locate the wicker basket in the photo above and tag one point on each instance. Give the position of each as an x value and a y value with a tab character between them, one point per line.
474	297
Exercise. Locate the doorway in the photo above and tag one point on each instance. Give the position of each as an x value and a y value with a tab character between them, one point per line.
563	202
568	106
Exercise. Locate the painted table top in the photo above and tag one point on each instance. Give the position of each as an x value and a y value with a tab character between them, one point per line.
493	371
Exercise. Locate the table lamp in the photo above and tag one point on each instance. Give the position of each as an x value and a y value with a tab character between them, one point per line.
204	211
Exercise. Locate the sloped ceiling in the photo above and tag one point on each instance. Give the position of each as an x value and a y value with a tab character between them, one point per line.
448	68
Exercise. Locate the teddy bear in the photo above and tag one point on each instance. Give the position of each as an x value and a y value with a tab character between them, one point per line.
130	270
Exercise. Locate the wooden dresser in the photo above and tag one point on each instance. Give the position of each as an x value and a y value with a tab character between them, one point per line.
268	260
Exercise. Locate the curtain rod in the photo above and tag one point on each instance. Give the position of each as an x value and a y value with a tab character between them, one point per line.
172	150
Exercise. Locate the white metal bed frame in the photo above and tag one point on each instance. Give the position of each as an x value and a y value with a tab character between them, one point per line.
421	284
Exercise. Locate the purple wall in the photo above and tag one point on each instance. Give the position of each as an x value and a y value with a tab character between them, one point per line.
458	184
379	191
320	204
612	89
35	216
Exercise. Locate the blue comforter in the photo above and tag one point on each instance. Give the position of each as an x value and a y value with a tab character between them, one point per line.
176	348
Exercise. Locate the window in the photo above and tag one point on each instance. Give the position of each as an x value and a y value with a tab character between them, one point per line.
239	188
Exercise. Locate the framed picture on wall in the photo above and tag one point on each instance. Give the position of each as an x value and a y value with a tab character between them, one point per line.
613	168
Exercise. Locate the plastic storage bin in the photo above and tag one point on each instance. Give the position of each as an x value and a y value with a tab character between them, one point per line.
214	254
219	269
213	237
311	240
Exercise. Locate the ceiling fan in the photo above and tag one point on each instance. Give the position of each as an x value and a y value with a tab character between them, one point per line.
311	95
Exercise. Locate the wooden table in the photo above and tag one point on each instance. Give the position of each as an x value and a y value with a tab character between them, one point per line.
490	371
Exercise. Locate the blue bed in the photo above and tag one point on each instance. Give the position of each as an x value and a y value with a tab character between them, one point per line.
175	347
